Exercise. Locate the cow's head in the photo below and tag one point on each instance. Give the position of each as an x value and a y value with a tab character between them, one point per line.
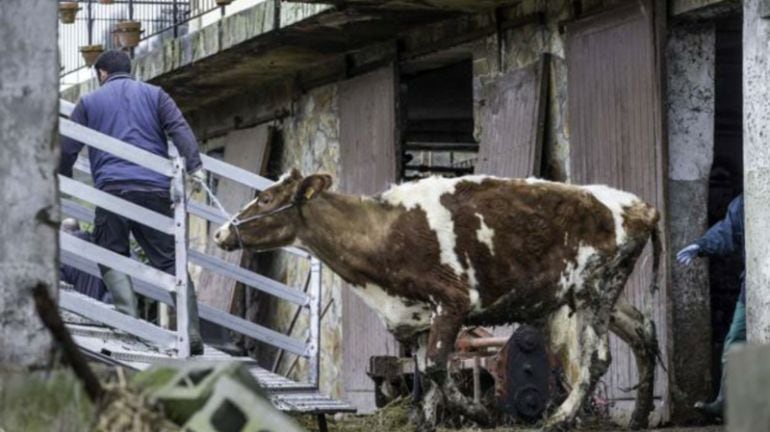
271	220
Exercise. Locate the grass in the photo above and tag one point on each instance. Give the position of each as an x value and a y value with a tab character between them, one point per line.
43	401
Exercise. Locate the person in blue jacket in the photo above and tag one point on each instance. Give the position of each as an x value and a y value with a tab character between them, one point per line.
141	115
726	237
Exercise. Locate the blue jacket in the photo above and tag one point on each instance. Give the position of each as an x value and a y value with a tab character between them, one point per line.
726	237
139	114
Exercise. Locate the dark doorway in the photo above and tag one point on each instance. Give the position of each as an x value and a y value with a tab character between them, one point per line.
437	120
726	179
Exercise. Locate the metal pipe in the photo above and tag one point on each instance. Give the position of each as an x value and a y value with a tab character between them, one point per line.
314	337
468	344
180	243
90	24
476	379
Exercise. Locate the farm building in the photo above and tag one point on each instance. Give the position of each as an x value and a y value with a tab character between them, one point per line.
643	95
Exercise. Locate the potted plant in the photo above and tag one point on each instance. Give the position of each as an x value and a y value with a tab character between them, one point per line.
90	53
224	2
68	11
129	33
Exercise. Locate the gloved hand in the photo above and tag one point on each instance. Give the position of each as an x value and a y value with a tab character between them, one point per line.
196	180
687	254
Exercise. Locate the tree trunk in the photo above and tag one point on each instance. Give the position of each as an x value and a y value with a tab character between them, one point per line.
29	68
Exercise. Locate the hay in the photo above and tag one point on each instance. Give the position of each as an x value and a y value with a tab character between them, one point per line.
126	409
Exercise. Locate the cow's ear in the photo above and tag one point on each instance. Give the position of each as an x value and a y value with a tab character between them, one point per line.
312	185
295	174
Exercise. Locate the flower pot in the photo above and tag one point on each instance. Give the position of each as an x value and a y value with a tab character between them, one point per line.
90	53
128	33
68	11
224	2
106	1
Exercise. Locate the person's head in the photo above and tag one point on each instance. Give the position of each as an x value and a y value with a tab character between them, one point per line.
70	225
112	62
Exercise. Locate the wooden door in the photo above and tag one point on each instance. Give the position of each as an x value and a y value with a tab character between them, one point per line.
367	106
513	128
615	119
514	122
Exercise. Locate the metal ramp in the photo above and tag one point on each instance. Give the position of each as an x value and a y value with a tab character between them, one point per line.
105	334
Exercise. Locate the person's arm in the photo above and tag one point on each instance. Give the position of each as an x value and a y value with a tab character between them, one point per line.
722	238
173	122
70	148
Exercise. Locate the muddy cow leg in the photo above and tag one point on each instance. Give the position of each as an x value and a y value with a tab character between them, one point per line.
425	406
445	325
639	333
457	402
594	361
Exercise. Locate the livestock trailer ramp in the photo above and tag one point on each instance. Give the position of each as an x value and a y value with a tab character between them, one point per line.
108	335
119	348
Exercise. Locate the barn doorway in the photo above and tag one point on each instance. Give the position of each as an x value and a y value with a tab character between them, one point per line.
437	117
726	178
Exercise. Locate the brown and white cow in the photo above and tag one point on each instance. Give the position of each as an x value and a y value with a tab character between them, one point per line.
433	255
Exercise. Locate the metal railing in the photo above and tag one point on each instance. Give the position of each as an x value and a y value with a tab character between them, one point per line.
161	286
95	22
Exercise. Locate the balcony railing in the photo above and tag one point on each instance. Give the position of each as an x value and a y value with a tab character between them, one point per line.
96	22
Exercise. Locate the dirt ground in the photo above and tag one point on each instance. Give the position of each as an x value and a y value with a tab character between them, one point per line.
394	418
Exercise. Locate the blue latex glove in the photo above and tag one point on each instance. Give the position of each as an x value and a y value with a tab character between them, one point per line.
687	254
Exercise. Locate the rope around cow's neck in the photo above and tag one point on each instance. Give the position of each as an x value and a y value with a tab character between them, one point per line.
231	219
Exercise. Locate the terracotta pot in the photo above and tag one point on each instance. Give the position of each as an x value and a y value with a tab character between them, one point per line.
224	2
90	53
128	33
68	11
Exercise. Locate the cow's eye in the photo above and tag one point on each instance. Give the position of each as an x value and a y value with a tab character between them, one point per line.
265	199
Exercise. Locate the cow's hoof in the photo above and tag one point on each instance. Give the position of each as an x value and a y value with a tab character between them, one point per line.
558	426
436	373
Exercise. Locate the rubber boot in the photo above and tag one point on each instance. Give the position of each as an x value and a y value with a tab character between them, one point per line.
716	407
122	290
196	341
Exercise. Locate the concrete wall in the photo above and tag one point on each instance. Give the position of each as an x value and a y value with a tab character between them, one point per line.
29	210
756	158
690	56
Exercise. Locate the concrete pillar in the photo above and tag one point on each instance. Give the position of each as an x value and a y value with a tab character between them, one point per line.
756	159
29	67
690	94
748	378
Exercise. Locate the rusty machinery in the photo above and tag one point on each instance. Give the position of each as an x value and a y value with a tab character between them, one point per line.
518	370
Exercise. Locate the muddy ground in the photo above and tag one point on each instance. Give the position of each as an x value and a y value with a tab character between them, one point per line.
394	418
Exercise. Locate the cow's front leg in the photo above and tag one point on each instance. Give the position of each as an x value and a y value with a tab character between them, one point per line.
444	327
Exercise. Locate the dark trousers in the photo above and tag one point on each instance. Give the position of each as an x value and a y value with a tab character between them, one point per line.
112	231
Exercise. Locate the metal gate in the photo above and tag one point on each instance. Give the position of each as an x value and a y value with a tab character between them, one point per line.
161	343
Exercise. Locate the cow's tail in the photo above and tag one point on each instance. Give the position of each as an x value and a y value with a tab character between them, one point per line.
657	249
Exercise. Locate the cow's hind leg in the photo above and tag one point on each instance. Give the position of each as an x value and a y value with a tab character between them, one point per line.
639	333
594	361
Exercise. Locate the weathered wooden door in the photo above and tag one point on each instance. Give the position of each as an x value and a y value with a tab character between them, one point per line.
513	128
513	124
615	118
367	106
